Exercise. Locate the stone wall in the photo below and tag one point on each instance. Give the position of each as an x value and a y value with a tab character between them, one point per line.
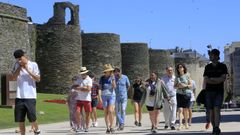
32	32
100	49
236	72
159	60
58	51
13	35
135	60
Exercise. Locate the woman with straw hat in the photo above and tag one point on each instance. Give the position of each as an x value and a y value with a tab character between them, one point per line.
108	96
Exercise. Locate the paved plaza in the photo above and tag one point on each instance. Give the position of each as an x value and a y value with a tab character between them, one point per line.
230	126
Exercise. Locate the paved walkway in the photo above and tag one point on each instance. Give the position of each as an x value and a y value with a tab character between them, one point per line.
230	126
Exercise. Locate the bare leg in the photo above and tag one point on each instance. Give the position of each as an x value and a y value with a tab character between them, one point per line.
95	114
136	111
78	119
106	114
34	126
180	116
87	119
151	115
140	112
22	128
190	116
156	115
185	113
111	114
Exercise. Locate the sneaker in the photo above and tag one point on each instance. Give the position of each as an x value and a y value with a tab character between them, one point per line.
186	126
112	130
37	132
136	123
154	131
180	127
216	131
173	128
121	127
207	126
139	124
78	130
108	131
96	124
165	127
86	130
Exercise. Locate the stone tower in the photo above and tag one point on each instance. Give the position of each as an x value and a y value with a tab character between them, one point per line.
58	50
13	35
135	60
100	49
159	60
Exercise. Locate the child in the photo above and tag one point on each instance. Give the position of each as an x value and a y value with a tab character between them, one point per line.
72	104
95	98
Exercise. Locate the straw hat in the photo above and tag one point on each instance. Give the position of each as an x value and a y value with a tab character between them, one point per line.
107	68
83	70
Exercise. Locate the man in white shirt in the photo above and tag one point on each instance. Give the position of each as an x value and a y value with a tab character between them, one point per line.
170	107
27	74
84	97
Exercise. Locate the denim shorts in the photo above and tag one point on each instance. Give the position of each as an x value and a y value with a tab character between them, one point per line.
94	102
25	107
213	99
108	100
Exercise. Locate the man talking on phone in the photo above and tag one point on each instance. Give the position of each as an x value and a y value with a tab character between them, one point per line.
27	74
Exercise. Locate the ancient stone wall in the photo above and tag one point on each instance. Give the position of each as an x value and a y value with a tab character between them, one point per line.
236	72
32	33
135	60
13	35
58	51
99	49
159	60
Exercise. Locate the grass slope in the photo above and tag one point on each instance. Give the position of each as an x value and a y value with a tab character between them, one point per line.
52	112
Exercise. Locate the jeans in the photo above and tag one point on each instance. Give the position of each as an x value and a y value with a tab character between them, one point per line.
121	104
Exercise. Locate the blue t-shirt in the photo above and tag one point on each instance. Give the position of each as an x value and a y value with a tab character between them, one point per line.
106	83
122	85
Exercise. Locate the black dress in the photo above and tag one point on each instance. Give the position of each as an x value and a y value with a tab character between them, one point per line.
137	92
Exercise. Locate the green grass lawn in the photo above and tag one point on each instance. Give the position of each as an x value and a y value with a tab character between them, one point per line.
52	112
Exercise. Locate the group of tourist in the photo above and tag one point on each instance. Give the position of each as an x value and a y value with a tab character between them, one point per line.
175	94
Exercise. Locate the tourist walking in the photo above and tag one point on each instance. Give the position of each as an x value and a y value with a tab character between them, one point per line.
122	87
136	100
183	85
84	98
153	97
214	76
108	97
27	74
95	100
170	107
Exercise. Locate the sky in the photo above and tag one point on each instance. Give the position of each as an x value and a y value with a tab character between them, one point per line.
163	24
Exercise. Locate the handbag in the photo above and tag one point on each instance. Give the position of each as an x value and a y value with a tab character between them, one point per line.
99	106
201	97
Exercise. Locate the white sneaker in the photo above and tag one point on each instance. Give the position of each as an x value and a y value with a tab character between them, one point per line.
95	124
37	132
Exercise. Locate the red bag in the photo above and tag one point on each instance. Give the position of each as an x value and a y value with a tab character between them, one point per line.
100	106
